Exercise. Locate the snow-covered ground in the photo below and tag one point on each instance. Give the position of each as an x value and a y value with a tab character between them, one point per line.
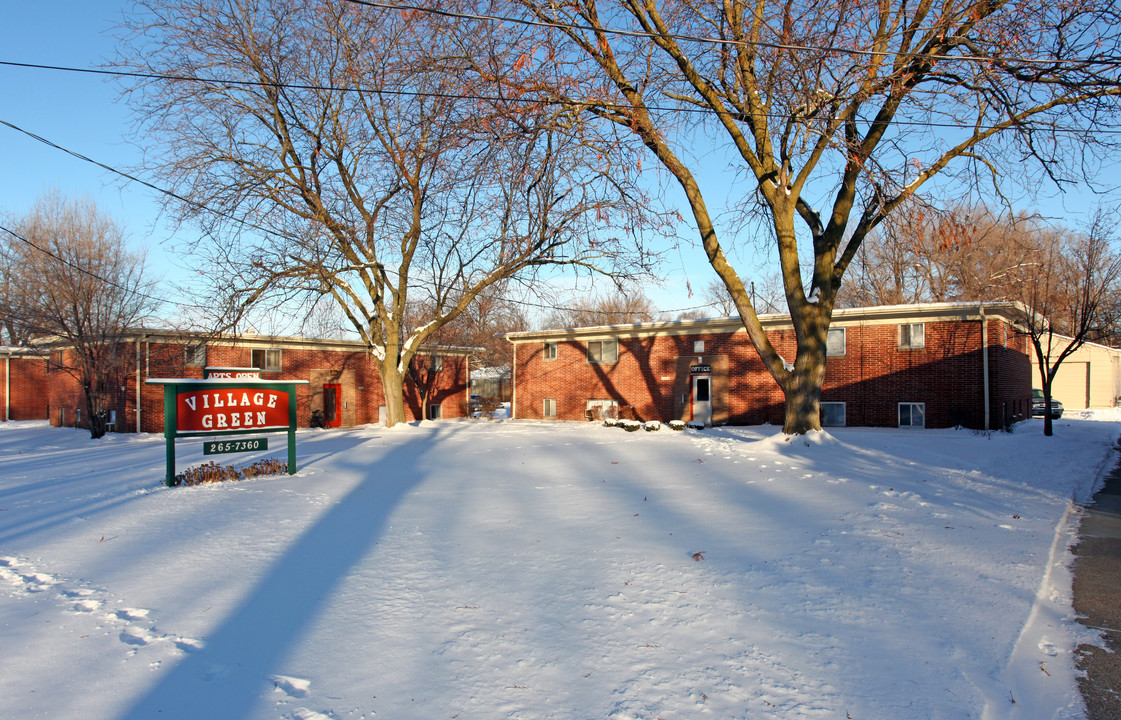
548	570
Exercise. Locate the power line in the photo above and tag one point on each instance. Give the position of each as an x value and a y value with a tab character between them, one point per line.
710	40
233	218
459	96
86	271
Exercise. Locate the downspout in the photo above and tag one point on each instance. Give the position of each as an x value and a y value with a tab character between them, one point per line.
514	384
138	396
8	387
985	361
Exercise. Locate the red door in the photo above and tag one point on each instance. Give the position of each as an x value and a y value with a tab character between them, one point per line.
332	405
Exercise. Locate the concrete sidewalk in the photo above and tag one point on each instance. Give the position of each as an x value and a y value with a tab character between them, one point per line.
1097	599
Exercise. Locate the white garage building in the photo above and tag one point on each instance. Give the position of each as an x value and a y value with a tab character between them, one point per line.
1089	378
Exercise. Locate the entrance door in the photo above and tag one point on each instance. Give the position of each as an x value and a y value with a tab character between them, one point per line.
702	399
332	413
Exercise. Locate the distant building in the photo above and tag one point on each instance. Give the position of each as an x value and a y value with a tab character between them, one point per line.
930	365
1090	377
344	381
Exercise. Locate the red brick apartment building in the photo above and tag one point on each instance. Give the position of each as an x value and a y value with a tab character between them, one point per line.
344	381
930	365
23	384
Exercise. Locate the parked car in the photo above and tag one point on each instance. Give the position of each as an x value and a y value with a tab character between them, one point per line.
1039	405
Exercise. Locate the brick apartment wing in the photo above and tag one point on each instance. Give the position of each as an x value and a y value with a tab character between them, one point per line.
913	365
23	384
343	378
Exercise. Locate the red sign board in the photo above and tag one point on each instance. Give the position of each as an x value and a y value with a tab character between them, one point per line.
227	409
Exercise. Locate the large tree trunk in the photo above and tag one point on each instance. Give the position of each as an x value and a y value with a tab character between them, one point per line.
803	384
393	386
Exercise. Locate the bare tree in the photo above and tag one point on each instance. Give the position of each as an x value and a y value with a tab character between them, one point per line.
922	254
1070	291
86	288
766	296
13	299
331	149
856	105
622	307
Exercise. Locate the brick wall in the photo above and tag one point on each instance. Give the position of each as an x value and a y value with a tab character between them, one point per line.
650	380
27	384
355	371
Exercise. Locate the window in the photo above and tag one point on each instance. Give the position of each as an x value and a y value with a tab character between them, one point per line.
435	412
437	362
835	342
698	346
195	355
603	351
832	414
267	360
599	409
701	394
550	410
912	415
912	335
550	351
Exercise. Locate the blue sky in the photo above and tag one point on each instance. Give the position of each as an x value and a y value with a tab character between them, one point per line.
82	113
77	111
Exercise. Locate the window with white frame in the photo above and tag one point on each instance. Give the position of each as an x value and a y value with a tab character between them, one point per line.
603	351
550	410
437	362
835	342
435	412
832	414
267	360
912	335
550	351
599	409
698	346
912	414
195	355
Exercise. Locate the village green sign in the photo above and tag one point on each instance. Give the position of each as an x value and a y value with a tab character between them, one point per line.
227	406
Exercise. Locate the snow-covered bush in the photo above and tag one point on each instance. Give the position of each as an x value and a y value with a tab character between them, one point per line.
695	425
610	422
630	425
652	426
677	425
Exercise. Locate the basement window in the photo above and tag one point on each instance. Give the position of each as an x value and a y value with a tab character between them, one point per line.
550	409
435	412
912	415
832	414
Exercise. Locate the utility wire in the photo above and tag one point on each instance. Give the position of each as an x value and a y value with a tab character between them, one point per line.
241	221
642	34
86	271
462	96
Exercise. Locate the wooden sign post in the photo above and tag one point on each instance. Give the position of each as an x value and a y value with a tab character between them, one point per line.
234	404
